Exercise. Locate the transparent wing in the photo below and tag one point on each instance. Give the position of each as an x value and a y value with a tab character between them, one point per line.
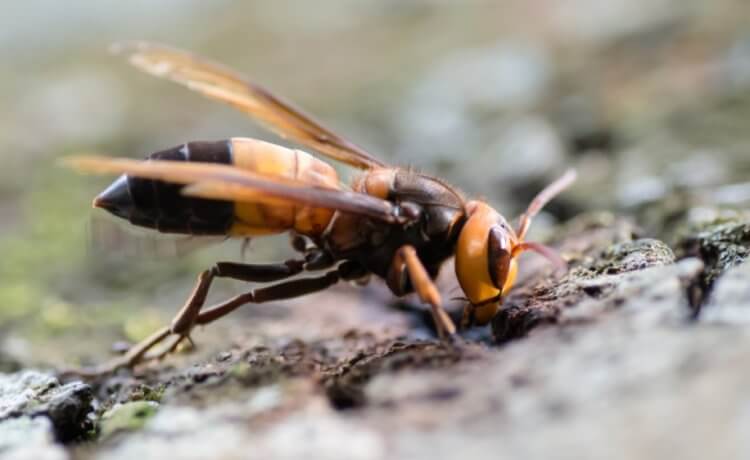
223	84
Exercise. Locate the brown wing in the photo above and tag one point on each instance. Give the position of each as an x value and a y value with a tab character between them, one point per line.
226	182
218	82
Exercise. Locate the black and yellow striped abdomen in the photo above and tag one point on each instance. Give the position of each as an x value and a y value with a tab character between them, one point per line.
161	205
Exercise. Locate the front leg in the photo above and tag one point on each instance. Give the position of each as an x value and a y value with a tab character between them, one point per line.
405	267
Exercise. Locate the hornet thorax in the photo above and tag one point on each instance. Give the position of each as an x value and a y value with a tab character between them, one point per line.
439	217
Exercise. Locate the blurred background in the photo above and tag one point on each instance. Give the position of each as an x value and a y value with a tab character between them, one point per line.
650	100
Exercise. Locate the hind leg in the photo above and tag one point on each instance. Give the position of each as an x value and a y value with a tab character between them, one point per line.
190	314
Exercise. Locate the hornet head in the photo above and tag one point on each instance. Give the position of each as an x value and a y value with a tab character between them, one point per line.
487	252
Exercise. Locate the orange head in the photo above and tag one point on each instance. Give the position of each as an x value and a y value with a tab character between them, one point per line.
487	252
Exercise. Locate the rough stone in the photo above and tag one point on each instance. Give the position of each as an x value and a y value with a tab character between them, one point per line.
720	244
631	358
187	433
541	303
622	350
729	302
36	394
29	438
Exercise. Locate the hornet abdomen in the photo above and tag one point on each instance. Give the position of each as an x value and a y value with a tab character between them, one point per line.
272	160
161	205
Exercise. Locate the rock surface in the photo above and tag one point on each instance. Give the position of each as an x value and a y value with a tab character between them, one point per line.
35	394
27	438
729	303
608	360
37	412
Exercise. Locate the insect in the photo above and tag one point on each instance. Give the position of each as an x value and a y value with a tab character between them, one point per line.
396	223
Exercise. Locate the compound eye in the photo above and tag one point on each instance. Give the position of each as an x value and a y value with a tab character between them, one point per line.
499	255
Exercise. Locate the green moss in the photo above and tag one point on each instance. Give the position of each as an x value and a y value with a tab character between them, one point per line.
130	416
240	371
147	393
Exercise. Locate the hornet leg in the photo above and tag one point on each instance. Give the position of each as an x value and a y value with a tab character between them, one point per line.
190	314
280	291
406	262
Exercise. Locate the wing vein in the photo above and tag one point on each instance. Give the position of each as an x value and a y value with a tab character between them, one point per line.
218	82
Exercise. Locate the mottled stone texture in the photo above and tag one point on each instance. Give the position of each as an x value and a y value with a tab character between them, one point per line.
607	360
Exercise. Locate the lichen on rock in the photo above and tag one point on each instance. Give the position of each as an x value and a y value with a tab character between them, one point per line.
130	416
721	244
599	247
